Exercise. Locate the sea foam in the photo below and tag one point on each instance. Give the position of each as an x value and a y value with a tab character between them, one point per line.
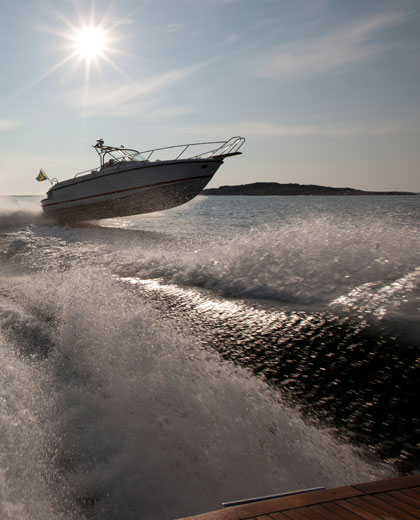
130	419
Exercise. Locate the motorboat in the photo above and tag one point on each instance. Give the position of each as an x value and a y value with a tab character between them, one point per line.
129	182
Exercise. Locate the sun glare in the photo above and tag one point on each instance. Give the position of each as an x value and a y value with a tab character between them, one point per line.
90	42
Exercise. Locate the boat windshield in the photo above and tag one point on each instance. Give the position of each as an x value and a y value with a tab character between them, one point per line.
110	155
121	155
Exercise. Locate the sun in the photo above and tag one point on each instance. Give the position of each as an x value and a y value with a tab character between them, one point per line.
90	42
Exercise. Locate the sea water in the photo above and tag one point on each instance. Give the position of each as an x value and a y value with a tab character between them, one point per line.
155	366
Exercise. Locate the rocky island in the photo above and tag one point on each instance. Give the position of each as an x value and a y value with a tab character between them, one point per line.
275	188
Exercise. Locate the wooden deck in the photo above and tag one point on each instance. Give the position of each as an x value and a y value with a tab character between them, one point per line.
396	499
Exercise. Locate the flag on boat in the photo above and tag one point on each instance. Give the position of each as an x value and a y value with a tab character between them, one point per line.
42	176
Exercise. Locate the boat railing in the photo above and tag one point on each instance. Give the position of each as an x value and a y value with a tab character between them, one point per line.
218	149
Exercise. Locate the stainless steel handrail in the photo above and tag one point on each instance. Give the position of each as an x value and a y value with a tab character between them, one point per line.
270	497
232	145
186	146
229	147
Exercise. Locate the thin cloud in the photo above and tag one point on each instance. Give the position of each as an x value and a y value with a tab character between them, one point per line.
6	124
347	44
226	2
267	128
232	38
310	7
173	27
137	97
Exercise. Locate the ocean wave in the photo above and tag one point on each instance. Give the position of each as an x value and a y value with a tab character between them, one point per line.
19	218
31	488
302	262
16	212
129	416
305	261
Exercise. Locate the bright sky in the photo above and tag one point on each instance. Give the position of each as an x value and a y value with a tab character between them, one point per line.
325	91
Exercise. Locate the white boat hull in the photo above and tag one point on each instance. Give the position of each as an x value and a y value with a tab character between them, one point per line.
129	189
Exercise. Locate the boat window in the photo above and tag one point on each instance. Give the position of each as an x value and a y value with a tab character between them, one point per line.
138	157
118	156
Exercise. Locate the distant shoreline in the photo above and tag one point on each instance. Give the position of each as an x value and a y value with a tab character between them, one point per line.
275	188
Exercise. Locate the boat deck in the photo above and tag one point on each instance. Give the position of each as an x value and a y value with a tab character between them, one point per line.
395	499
